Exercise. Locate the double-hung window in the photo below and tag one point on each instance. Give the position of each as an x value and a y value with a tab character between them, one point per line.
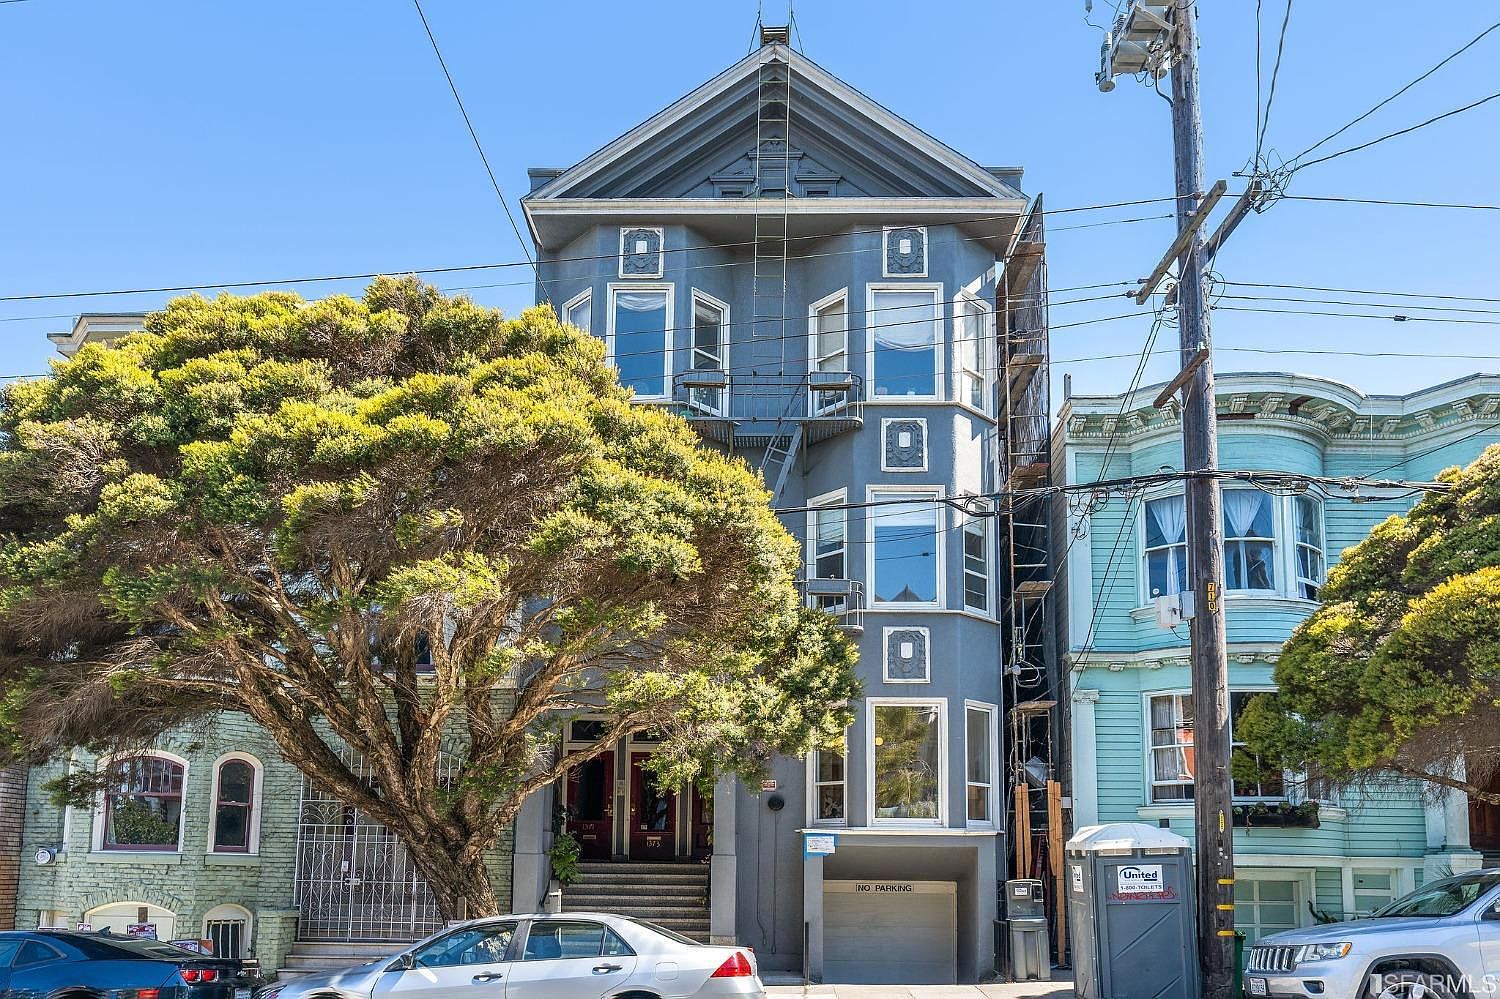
143	804
1166	546
979	762
829	787
640	338
710	340
828	558
976	564
1249	540
904	325
906	761
1311	567
905	559
234	806
973	352
829	331
1172	763
580	311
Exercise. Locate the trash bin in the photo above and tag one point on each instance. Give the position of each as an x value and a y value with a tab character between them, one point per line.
1030	956
1130	907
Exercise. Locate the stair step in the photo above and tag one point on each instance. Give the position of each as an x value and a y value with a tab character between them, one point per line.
361	950
613	889
640	908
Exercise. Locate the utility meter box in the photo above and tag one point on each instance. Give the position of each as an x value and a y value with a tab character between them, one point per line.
1132	914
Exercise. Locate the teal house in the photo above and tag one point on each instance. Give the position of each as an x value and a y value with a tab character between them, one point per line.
1301	851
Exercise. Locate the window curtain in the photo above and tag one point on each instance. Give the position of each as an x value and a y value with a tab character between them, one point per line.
1241	506
1170	516
904	320
640	301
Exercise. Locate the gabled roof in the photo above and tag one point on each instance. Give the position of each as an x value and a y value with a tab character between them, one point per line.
673	153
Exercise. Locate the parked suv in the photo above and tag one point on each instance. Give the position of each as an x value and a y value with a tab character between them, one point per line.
1442	941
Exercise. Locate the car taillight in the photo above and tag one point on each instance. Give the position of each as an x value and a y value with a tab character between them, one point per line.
195	975
147	993
737	966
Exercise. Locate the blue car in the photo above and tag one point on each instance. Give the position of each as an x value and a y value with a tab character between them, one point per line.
95	965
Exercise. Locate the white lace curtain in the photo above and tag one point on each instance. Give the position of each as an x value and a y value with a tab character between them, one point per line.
1241	507
640	301
1170	516
903	320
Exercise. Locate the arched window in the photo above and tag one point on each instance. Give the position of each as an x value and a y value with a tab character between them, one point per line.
119	917
235	805
143	804
228	926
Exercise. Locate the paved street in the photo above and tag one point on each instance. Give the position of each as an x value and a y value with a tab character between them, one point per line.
1027	990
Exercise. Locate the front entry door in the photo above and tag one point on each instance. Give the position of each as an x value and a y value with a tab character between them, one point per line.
1484	821
703	824
591	809
653	815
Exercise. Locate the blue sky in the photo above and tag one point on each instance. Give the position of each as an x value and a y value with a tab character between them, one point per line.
184	143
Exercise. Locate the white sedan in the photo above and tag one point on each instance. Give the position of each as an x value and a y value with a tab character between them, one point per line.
575	955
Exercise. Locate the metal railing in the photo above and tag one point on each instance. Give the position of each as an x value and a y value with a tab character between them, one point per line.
844	598
816	396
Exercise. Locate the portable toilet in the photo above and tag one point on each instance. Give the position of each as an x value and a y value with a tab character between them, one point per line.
1131	912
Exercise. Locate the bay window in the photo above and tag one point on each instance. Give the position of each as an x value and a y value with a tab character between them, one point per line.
829	787
710	340
640	340
905	557
906	761
973	337
1249	540
580	312
904	325
829	330
143	804
1311	567
979	762
1166	546
976	564
827	531
1173	767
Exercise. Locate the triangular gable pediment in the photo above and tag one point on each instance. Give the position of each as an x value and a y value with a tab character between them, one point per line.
845	145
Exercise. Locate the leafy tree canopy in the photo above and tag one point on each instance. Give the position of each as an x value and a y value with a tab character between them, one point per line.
1398	673
401	527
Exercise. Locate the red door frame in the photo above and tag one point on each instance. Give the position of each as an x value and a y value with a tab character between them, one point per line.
703	824
1484	821
651	837
595	836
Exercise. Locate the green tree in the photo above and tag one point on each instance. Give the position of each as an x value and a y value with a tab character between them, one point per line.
286	508
1397	675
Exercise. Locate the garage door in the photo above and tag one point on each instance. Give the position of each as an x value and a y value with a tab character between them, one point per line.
890	932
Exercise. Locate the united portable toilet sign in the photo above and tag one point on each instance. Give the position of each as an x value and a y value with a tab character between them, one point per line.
1141	879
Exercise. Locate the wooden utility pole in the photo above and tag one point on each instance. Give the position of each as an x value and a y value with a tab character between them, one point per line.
1212	816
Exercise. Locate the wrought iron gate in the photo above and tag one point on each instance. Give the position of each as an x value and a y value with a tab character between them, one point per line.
354	878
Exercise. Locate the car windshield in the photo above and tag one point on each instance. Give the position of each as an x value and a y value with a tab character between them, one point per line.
672	935
1447	897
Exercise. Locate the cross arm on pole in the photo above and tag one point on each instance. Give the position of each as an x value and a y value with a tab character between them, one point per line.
1180	244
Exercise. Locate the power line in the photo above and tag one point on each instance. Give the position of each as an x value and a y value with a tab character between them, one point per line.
1260	140
1400	132
525	249
1387	201
1344	128
1360	291
1397	317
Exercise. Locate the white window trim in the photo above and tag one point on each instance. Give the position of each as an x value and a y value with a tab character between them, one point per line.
940	536
692	343
941	704
257	780
661	253
1143	581
96	841
813	784
586	295
837	496
1290	777
994	752
1278	544
668	353
986	524
987	345
939	347
885	654
926	443
885	255
840	296
1294	567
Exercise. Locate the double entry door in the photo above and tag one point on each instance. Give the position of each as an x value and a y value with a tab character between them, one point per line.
632	811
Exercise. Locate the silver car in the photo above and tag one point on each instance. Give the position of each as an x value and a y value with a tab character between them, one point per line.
574	955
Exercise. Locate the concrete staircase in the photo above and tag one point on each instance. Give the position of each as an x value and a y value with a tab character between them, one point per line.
307	957
673	895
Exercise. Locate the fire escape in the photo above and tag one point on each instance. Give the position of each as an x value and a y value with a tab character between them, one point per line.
775	404
1025	509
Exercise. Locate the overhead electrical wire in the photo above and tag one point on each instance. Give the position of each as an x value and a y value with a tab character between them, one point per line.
1265	119
1399	132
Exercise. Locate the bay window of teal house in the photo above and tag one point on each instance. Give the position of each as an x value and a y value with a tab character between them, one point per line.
1303	851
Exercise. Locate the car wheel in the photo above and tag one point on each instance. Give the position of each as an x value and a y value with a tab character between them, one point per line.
1407	985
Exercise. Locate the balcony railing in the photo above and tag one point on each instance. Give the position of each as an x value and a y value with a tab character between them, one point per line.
844	598
746	409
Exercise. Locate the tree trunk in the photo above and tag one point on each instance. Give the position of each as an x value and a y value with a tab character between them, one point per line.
460	886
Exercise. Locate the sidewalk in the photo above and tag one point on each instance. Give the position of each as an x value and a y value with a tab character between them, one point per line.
1023	990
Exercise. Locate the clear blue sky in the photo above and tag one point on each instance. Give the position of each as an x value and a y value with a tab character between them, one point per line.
184	143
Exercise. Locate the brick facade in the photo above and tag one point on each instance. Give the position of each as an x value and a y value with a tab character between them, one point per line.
12	810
